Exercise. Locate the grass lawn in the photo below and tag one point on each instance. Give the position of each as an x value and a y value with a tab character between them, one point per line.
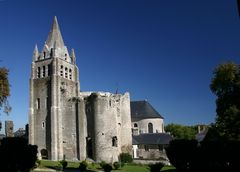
127	168
142	168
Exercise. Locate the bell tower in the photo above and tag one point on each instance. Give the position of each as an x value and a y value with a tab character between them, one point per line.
54	82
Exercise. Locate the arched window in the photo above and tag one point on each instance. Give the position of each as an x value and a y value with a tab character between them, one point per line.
38	72
150	127
70	73
44	71
135	125
44	154
61	70
66	72
43	124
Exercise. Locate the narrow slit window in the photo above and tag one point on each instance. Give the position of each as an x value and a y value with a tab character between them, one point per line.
44	71
43	124
38	72
38	103
49	70
114	141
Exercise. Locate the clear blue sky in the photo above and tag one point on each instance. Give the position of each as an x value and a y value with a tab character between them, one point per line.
160	50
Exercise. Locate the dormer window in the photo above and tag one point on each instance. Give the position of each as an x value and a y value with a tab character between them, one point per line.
44	54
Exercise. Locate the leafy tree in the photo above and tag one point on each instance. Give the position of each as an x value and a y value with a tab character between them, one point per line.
4	90
181	132
225	85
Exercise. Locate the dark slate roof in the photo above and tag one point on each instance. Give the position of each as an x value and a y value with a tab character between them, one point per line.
151	139
143	110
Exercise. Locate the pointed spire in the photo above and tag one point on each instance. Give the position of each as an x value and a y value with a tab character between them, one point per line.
73	56
35	53
55	36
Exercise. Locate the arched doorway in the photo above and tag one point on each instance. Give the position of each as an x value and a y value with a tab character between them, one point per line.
44	154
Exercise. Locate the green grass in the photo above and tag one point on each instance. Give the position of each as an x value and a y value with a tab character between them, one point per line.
142	168
95	166
48	163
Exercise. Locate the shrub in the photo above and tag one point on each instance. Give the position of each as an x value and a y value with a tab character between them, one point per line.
116	165
64	163
83	165
107	167
11	154
182	154
37	163
102	163
156	167
59	167
125	158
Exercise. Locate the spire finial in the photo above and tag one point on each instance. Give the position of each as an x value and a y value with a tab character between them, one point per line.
55	35
35	53
73	56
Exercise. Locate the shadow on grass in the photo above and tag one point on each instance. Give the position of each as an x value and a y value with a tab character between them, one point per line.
170	170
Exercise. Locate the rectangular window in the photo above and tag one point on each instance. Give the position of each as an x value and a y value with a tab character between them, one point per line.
49	70
38	103
146	147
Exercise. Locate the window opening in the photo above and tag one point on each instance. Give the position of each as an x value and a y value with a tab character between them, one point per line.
114	141
150	128
38	103
44	72
38	72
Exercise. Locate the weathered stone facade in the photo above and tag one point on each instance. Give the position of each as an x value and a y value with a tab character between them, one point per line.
67	123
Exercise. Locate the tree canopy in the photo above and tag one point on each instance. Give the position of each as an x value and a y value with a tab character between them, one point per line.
225	85
4	90
181	132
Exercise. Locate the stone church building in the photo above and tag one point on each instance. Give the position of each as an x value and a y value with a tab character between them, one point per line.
66	123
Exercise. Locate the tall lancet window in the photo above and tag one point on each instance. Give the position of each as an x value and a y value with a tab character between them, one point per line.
150	127
49	70
38	72
44	71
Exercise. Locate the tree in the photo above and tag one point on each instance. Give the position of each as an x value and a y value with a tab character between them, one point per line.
4	90
181	132
225	85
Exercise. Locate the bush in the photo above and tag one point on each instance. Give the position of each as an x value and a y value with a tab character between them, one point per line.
83	166
37	163
102	163
107	167
64	163
116	165
12	151
125	158
59	167
156	167
182	154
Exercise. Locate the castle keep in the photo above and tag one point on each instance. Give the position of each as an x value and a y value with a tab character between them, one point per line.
67	123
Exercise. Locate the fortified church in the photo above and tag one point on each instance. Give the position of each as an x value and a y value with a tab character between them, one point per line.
66	123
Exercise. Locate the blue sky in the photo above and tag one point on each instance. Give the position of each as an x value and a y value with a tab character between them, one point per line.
160	50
